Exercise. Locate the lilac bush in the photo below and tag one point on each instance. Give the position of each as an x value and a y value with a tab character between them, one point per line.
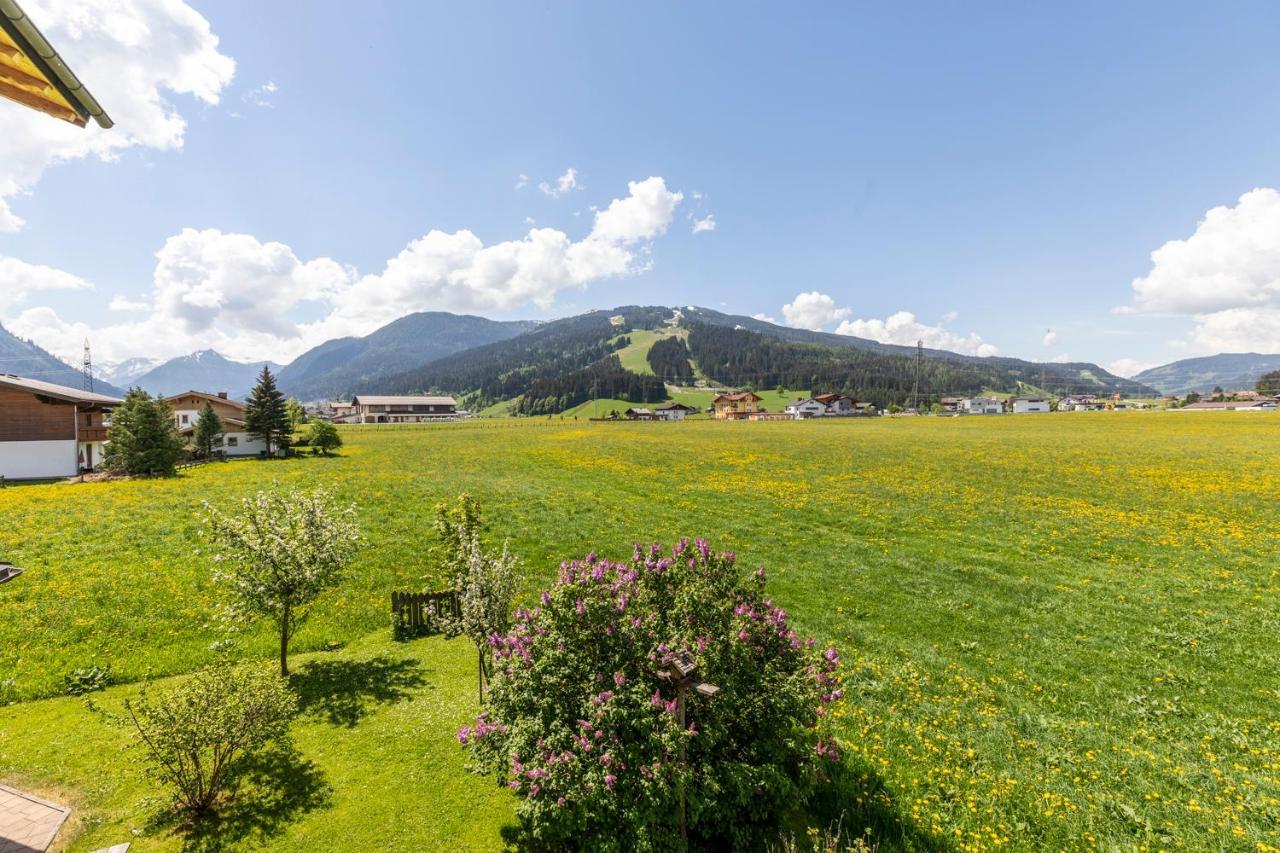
579	724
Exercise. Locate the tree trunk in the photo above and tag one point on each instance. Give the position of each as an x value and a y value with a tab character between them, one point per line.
480	675
284	644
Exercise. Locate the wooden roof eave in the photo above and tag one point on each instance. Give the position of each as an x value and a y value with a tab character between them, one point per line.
33	74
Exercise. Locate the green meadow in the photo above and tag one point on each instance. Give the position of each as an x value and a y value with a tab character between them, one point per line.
1060	631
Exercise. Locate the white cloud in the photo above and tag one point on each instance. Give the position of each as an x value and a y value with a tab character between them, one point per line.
903	328
241	296
1061	358
566	182
1050	338
813	310
120	303
522	181
260	96
1225	276
706	223
131	54
18	280
1129	367
765	317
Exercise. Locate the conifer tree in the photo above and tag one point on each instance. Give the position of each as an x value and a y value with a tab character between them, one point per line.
207	430
143	438
265	415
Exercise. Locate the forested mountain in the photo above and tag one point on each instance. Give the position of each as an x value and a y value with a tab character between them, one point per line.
206	370
1006	373
24	358
548	366
746	358
344	366
566	362
1232	371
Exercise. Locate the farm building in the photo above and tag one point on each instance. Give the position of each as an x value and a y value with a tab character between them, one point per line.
982	406
235	441
49	430
952	404
673	411
736	407
1030	405
637	414
369	409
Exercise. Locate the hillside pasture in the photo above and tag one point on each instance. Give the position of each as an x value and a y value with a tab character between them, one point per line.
1060	630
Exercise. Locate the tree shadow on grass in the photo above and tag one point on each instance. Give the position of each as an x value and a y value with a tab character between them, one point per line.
856	800
343	691
268	792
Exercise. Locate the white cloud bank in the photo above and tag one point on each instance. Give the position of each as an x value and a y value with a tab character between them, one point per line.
240	295
1129	367
903	328
18	280
816	311
131	54
1225	277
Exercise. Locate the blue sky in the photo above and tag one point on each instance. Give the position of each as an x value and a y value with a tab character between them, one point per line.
996	171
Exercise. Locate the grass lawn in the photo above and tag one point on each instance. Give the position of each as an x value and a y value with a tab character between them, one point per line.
1060	631
635	355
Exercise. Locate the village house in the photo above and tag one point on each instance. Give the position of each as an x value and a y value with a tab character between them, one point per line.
49	430
982	406
837	405
673	411
952	404
1030	405
805	408
868	409
370	409
639	414
234	441
736	407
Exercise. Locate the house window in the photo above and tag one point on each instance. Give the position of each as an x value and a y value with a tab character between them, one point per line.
233	441
185	419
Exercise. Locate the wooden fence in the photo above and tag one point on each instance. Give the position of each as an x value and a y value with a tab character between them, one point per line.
416	613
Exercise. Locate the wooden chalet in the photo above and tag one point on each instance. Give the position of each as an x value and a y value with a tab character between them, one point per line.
736	407
49	430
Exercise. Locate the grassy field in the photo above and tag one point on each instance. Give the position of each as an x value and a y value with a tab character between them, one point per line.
1060	630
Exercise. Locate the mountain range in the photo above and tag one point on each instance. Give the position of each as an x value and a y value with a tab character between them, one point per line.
1231	371
543	367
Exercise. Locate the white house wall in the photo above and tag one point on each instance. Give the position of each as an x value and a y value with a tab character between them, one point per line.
27	460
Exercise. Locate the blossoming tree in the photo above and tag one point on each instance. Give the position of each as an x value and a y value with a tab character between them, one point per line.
277	552
581	725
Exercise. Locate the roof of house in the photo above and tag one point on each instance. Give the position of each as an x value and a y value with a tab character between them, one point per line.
800	401
34	75
1231	404
638	412
829	398
371	400
226	422
57	392
741	395
669	407
213	398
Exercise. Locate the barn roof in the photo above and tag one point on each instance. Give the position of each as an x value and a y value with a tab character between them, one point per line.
371	400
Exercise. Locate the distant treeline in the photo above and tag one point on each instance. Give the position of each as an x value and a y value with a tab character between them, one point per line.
669	359
605	378
749	359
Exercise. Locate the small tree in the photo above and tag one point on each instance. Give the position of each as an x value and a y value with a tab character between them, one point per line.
325	437
294	410
198	732
484	581
1269	383
277	553
208	430
265	415
142	438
